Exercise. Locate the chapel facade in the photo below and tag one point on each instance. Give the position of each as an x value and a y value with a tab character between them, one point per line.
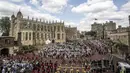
36	32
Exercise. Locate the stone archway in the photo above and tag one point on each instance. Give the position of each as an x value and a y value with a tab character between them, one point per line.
4	51
53	41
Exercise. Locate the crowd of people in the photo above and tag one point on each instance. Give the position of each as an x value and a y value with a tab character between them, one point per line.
48	59
28	63
79	49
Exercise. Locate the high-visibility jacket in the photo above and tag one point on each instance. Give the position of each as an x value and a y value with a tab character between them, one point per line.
122	70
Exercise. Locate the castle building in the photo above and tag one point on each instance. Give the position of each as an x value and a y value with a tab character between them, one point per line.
98	28
72	33
120	35
36	32
7	45
104	29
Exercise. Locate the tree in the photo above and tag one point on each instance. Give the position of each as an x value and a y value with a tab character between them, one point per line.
91	33
28	48
81	36
120	48
5	25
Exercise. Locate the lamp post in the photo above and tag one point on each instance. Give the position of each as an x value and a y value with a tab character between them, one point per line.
103	31
127	54
129	35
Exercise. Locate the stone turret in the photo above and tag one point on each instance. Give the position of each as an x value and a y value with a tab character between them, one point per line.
19	15
12	25
13	17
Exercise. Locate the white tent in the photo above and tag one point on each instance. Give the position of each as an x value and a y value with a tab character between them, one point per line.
48	42
123	64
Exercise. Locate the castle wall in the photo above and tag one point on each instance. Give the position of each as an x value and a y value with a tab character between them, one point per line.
119	37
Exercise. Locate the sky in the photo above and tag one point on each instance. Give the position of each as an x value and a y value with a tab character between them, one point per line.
76	13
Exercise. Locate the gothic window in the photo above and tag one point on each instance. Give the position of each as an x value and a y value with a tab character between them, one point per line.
41	27
34	26
7	41
62	36
45	28
45	36
58	36
51	29
26	35
48	29
38	27
22	36
29	35
30	25
34	36
37	35
58	28
48	36
54	28
51	35
62	28
41	35
54	35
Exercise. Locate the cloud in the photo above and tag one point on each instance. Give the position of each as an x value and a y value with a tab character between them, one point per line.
54	6
25	9
34	2
126	7
17	0
72	24
103	10
95	6
51	6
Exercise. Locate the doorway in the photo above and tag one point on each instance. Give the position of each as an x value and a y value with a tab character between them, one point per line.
53	41
4	52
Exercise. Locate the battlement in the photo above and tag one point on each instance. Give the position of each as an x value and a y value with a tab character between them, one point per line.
13	17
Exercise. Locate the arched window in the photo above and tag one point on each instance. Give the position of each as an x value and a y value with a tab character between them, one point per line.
48	28
41	35
26	35
45	36
37	35
34	26
23	36
45	28
41	27
38	27
58	36
29	35
62	28
62	36
48	36
51	28
58	28
34	35
54	28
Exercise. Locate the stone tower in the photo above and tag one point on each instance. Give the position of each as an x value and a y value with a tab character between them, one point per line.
12	25
15	25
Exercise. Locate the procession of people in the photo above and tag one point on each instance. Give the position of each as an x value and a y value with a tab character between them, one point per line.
69	57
